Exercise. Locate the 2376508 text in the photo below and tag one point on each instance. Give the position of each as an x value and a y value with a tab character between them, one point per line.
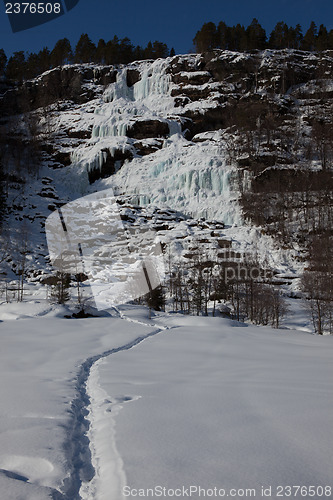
33	8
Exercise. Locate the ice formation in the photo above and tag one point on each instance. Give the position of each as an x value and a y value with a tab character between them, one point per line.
194	178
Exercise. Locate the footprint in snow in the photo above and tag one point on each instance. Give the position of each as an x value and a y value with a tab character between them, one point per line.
119	400
23	468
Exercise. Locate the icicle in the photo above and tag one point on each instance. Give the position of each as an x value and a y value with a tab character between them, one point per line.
112	128
154	80
174	127
119	89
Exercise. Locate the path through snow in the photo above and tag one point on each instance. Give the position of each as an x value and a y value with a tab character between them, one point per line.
210	403
214	403
109	475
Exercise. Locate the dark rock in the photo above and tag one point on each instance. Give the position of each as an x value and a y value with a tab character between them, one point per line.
49	281
190	78
64	158
81	315
148	128
210	119
47	193
46	180
127	218
161	227
132	77
105	75
79	134
58	84
109	165
193	93
224	243
47	148
230	68
259	163
181	101
180	64
144	149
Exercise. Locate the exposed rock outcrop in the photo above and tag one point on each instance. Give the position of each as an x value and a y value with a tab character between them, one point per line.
110	164
142	129
67	82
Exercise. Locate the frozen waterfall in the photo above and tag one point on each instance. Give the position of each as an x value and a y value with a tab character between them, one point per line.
123	104
191	177
195	180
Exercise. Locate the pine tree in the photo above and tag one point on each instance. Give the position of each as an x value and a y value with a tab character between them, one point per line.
112	51
222	36
156	299
3	196
330	40
32	65
298	36
206	38
138	53
310	38
36	64
85	50
279	37
125	50
160	50
237	37
61	289
322	38
256	36
62	53
16	66
44	60
3	62
148	51
100	51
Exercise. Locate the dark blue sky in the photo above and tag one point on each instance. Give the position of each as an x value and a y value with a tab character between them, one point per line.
174	22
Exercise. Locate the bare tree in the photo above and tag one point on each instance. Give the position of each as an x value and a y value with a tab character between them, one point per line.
317	281
322	133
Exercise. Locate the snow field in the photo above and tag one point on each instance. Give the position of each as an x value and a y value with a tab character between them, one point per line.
91	406
214	403
40	362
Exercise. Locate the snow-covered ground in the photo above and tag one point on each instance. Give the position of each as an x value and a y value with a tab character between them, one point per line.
44	364
89	407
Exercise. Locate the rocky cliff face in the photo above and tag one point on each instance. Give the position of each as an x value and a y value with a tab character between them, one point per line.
65	83
220	76
190	133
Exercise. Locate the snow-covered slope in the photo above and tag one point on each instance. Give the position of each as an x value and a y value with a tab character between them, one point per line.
173	401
